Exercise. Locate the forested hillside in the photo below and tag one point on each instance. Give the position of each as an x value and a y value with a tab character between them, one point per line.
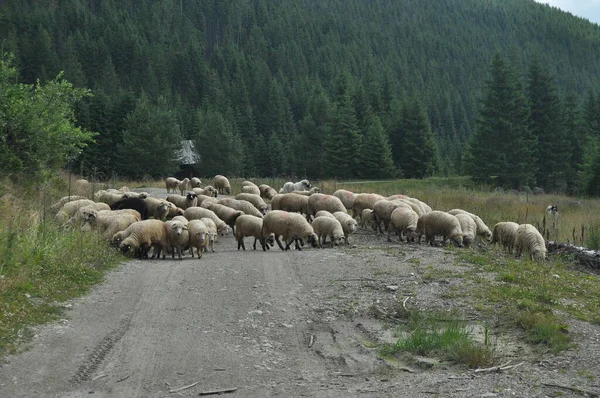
334	88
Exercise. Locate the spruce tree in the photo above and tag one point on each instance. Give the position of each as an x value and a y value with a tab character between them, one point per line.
375	156
342	142
501	150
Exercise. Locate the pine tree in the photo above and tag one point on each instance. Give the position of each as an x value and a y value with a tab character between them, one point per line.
342	142
375	156
573	125
150	141
501	150
553	150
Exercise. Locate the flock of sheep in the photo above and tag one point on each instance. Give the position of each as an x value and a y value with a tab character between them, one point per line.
297	214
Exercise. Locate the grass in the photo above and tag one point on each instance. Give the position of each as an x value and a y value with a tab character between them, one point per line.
442	335
41	265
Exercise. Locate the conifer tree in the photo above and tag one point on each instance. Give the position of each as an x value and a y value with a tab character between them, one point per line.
342	142
375	156
501	150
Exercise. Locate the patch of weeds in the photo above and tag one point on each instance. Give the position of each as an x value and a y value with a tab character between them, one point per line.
434	333
544	328
416	261
592	239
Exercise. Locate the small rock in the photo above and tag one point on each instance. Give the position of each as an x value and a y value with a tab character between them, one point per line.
255	312
426	363
393	288
27	295
287	325
488	395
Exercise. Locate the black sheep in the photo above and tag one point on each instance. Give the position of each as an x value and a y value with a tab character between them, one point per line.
132	203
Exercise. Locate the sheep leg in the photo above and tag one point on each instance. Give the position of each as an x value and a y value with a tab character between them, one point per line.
279	242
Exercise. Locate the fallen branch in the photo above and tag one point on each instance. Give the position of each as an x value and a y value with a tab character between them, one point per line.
183	388
499	368
123	378
580	391
404	303
214	392
311	341
99	376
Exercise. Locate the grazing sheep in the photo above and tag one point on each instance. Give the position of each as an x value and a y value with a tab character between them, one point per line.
248	225
266	191
108	197
82	186
275	201
312	191
108	222
69	209
157	208
171	184
177	236
227	214
131	194
174	210
302	185
183	185
382	213
241	205
468	227
328	226
198	237
291	226
65	199
346	197
249	184
366	218
195	182
132	203
222	184
183	202
321	201
78	217
142	235
212	231
505	233
253	189
397	196
414	204
439	223
202	198
530	240
256	201
196	213
324	213
482	230
208	190
293	203
349	224
364	201
403	220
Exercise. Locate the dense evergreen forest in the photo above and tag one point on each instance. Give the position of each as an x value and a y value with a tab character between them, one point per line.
323	89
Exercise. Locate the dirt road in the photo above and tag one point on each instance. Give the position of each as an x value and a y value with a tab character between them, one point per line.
268	324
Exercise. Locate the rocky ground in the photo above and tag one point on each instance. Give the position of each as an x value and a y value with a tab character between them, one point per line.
296	323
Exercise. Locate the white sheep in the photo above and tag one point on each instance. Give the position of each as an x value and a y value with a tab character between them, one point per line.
397	196
131	194
312	191
249	184
198	237
212	232
439	223
321	201
222	184
349	224
275	201
256	201
468	227
292	202
242	205
208	190
248	225
196	213
328	226
177	236
382	212
253	189
183	185
364	201
530	240
107	197
171	183
69	209
82	186
158	208
266	191
78	217
142	235
195	182
366	218
292	227
65	199
404	221
505	234
108	222
324	213
482	229
227	214
346	197
183	202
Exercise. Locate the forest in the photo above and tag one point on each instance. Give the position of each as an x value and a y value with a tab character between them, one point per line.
504	91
